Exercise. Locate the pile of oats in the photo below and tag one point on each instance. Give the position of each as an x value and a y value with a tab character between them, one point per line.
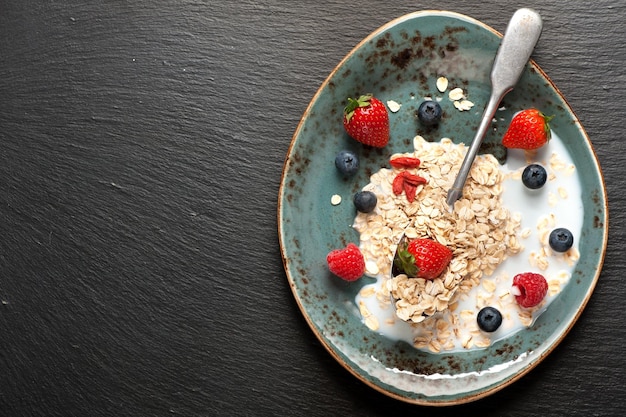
480	232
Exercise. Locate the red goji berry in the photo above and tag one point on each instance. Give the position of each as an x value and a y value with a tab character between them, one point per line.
404	162
410	190
407	182
398	184
413	179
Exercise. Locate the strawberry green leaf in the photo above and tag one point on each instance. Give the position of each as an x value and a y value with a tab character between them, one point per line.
405	262
362	101
546	121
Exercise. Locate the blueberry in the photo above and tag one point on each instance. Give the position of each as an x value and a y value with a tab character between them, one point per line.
534	176
429	113
561	239
347	163
365	201
489	319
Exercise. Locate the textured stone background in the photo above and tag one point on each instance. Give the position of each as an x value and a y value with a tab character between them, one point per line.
141	148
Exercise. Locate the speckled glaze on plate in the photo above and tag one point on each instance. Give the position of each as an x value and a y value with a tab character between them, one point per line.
401	61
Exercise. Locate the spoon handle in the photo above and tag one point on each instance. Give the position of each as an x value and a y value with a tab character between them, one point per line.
518	43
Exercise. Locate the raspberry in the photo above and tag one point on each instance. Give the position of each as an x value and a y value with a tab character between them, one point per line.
347	263
529	289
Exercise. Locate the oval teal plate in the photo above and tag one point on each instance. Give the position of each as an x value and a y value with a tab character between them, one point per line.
401	61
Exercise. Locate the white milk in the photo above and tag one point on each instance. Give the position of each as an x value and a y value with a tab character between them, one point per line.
557	204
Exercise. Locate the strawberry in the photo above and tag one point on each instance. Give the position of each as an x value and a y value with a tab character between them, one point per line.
423	258
347	263
366	120
528	130
529	289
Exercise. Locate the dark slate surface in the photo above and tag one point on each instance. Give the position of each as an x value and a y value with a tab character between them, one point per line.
141	148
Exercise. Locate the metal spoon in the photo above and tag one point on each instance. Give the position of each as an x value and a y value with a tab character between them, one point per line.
520	38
